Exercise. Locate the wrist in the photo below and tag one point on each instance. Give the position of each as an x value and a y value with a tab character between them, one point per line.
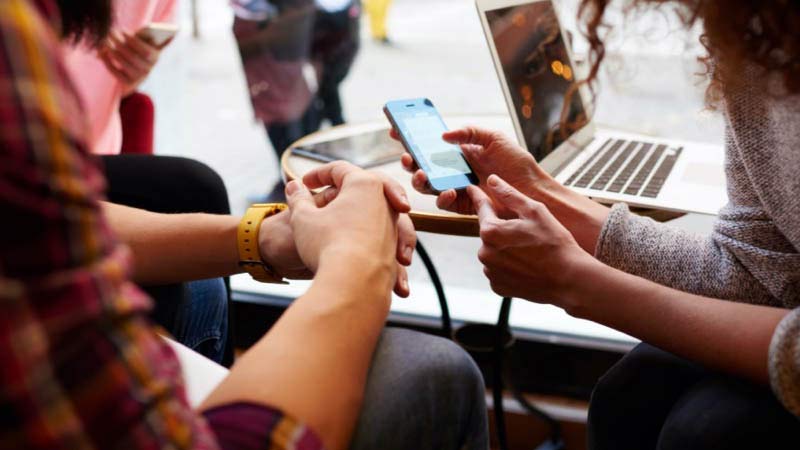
582	216
582	278
269	239
359	269
349	258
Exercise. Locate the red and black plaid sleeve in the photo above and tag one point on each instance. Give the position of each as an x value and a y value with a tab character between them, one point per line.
80	366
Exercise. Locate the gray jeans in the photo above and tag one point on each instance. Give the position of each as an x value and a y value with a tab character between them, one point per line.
423	392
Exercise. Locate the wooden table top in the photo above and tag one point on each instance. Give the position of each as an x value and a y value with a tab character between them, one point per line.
424	213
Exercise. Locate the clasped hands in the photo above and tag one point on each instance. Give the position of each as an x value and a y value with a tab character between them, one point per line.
359	220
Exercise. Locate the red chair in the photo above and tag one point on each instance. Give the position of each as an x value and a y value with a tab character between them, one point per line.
137	112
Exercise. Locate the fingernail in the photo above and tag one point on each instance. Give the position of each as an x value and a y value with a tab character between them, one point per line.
492	181
408	253
330	194
405	284
292	187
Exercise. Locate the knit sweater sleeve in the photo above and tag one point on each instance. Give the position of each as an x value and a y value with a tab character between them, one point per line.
733	262
746	257
784	362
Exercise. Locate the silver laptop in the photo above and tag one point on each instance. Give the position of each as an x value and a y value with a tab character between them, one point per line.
552	120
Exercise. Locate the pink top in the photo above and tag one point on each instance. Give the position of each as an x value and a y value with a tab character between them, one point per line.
98	89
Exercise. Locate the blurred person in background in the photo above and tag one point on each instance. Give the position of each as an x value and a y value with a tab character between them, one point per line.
333	51
378	12
106	78
106	75
295	54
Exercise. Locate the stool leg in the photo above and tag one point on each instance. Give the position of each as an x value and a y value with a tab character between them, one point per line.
447	325
497	398
497	373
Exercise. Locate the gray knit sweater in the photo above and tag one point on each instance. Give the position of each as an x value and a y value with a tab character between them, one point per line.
752	255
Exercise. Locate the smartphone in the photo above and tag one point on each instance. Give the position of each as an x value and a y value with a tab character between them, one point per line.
158	34
421	127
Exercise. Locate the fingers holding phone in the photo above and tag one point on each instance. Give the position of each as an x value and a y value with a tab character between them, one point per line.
453	198
487	152
131	57
419	127
158	34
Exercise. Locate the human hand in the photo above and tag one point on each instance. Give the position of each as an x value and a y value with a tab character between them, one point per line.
353	222
488	152
129	57
531	255
332	174
276	242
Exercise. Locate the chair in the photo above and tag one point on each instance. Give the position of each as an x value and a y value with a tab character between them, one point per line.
137	113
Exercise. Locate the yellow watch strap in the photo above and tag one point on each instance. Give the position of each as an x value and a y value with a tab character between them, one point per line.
247	239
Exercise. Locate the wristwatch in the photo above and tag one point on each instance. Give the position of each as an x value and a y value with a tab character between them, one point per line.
247	236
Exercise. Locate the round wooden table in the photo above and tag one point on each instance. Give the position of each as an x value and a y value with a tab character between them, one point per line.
424	213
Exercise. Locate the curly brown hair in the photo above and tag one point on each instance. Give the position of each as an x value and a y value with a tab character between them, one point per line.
763	35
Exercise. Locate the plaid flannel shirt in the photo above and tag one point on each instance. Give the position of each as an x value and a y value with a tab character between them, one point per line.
80	365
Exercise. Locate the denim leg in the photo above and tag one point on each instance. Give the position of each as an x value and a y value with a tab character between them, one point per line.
423	392
201	322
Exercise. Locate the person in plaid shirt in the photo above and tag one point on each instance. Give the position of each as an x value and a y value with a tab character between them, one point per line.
80	364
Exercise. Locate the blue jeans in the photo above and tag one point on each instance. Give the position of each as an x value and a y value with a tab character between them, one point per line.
201	320
423	392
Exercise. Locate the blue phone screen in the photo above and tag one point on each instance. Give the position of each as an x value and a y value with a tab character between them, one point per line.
422	128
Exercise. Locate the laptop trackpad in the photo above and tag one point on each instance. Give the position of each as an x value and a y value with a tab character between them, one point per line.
704	173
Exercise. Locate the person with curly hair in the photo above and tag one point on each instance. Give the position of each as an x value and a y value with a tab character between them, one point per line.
83	367
719	314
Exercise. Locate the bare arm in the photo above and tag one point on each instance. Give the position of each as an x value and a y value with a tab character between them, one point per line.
170	248
313	363
728	336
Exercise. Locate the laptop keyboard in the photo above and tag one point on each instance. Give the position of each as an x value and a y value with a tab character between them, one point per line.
632	167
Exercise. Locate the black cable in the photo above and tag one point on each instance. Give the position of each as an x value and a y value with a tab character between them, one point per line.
497	397
447	325
502	318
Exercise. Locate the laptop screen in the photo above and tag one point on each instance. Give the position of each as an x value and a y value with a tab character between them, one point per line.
539	74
